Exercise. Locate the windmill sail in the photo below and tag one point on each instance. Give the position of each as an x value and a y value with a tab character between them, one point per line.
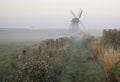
79	16
72	13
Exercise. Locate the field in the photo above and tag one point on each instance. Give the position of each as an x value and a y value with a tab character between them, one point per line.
55	56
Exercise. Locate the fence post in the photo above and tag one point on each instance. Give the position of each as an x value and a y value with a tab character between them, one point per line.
23	57
40	52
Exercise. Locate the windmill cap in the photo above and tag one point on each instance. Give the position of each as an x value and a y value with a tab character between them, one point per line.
75	20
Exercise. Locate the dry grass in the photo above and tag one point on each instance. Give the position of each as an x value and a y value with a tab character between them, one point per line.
98	49
108	57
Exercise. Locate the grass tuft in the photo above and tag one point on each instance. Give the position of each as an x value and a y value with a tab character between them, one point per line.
109	58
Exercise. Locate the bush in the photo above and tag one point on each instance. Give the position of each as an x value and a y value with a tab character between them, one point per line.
33	71
111	37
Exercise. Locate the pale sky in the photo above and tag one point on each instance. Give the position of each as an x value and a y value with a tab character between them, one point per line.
56	13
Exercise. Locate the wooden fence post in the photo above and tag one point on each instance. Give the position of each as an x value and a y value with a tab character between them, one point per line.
40	52
23	57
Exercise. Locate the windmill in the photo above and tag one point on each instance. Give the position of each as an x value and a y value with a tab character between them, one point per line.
75	21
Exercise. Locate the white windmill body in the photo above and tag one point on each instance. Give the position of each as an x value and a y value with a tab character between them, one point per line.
75	22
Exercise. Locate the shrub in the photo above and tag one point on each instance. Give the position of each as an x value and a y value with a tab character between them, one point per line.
111	37
33	71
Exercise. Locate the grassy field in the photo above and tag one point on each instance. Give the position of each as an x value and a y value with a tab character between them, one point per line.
88	59
78	63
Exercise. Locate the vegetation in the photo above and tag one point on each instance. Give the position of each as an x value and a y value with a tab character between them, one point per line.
106	53
65	59
109	59
111	37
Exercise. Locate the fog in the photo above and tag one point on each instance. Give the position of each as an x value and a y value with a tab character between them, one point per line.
43	14
59	40
8	36
28	20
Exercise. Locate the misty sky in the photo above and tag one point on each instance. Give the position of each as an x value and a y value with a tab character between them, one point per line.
56	13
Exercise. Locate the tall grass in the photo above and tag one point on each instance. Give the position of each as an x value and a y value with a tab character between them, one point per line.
108	57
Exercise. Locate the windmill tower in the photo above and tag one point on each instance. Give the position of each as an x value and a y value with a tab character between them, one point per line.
75	21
